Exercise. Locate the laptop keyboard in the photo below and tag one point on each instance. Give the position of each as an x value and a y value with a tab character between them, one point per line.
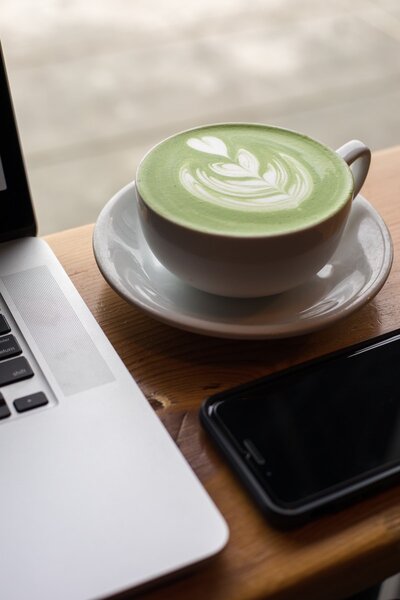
4	328
9	347
15	368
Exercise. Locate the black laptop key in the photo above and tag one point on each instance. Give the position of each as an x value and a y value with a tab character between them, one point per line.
9	347
4	410
4	326
30	402
13	370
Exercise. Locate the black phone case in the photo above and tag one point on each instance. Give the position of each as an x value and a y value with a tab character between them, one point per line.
281	516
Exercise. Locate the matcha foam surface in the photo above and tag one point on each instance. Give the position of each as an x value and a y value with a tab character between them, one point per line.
241	179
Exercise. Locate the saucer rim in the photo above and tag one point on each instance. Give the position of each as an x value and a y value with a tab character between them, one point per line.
231	330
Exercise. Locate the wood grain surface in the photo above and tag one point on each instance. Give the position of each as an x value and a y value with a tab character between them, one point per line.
329	558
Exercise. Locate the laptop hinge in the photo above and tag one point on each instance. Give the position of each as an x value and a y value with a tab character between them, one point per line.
29	231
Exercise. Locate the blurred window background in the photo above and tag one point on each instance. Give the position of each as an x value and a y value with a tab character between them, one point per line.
97	83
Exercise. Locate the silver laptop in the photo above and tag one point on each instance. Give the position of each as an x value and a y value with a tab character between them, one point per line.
95	498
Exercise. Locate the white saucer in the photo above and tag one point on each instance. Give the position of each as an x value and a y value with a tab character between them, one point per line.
354	275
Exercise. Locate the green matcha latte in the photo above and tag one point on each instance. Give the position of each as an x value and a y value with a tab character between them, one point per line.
243	180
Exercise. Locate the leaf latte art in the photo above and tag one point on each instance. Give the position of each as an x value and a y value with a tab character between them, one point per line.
243	179
239	180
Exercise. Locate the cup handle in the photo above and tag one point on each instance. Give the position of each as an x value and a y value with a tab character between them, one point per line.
358	153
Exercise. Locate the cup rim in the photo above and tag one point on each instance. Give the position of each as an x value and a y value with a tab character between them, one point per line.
234	235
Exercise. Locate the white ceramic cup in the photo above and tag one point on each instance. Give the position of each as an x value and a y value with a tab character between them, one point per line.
251	266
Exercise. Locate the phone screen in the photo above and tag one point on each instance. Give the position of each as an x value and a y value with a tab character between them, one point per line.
320	427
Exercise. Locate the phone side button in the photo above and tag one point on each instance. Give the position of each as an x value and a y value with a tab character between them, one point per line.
254	452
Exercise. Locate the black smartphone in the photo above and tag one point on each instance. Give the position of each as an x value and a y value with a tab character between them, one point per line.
316	436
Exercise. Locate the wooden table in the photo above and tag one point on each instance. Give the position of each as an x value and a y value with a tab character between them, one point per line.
333	556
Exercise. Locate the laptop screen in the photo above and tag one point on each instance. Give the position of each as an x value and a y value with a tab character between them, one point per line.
16	212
